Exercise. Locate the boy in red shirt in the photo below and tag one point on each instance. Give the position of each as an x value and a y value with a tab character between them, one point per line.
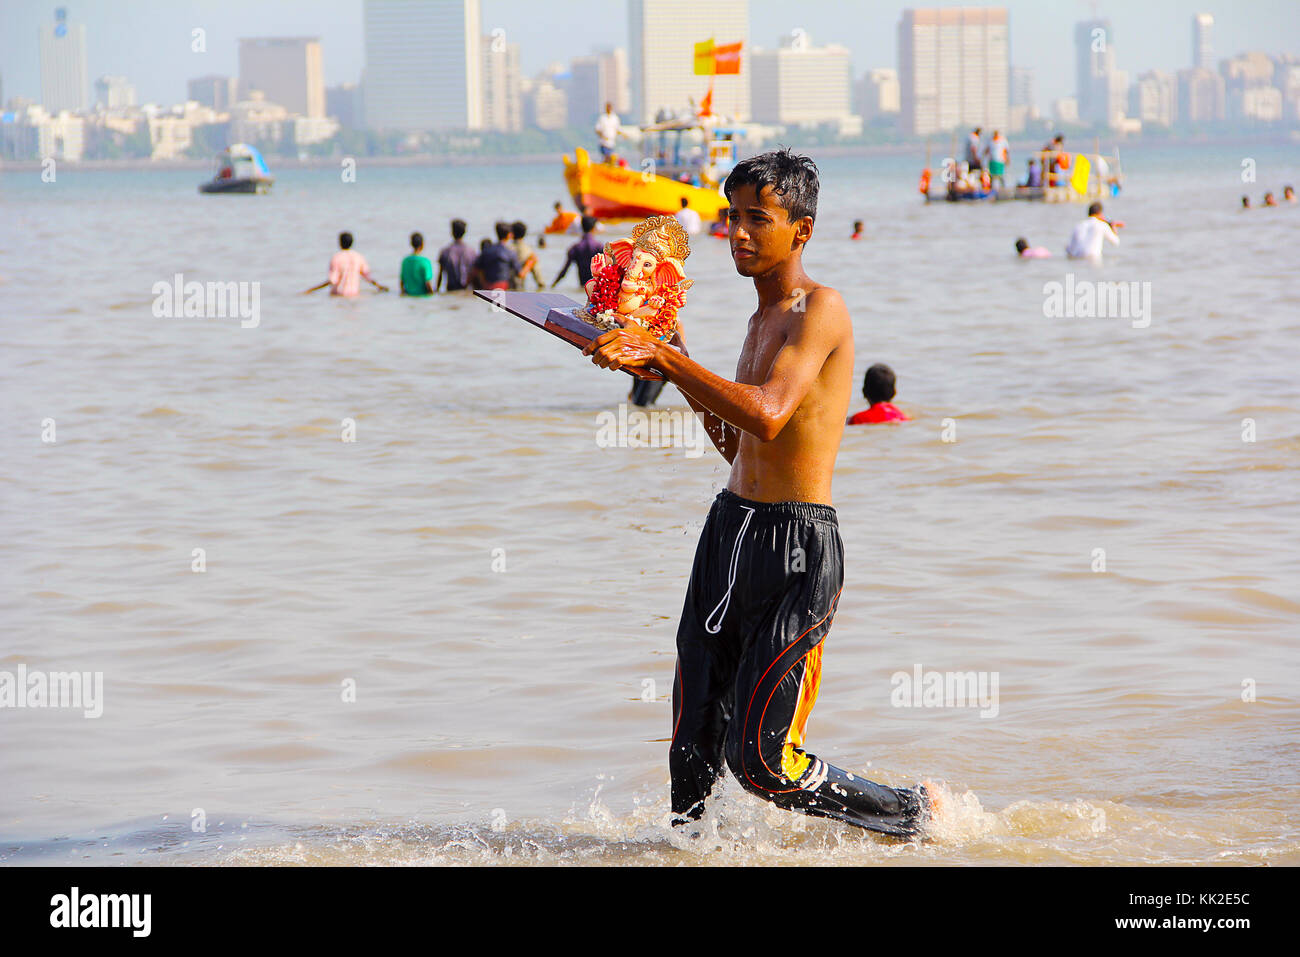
878	388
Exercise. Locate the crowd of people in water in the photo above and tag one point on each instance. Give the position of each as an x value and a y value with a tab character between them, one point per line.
1288	196
509	262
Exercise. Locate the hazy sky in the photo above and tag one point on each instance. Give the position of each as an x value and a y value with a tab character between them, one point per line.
148	41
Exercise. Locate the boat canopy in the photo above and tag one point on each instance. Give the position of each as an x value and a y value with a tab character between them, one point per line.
249	154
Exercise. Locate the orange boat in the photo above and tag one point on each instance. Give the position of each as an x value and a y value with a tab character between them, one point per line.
658	184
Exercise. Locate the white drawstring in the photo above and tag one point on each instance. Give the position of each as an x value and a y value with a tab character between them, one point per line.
731	578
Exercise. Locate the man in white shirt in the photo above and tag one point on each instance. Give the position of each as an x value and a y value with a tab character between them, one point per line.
608	130
688	217
1087	238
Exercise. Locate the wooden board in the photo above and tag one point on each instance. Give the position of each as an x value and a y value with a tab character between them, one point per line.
552	312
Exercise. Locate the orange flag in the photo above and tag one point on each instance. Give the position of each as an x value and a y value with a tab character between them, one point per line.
706	104
726	58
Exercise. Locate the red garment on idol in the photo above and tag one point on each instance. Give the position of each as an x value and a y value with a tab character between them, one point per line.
880	412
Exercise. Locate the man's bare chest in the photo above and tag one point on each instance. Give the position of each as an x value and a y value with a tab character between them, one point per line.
763	340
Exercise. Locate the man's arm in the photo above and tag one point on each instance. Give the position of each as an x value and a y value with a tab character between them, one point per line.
725	437
761	410
568	261
365	274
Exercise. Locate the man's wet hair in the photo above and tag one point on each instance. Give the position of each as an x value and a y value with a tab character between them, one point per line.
518	230
588	223
878	384
345	240
1094	209
416	240
458	229
1022	244
503	231
793	179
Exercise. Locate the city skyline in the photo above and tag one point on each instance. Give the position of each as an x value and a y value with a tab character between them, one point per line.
155	55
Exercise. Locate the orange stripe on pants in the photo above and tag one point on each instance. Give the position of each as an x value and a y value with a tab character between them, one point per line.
793	760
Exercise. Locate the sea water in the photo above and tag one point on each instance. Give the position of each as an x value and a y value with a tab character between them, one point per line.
364	584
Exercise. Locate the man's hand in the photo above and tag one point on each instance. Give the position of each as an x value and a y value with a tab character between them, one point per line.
619	348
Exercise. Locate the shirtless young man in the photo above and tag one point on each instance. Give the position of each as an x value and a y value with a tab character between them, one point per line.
769	566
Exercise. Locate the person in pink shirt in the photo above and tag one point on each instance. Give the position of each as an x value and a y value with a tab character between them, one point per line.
878	389
347	268
1026	251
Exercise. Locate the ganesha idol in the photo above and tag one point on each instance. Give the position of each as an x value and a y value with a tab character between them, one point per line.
641	281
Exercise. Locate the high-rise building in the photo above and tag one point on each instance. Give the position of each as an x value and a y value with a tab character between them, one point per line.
661	55
1257	104
502	100
63	64
114	93
878	95
594	81
800	84
287	70
343	102
546	103
1022	88
1288	81
1154	99
1202	41
1247	79
953	68
1201	96
62	137
1024	101
217	92
1100	89
424	69
1065	111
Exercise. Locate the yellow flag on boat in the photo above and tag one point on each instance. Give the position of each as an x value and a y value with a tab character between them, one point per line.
1082	170
704	58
